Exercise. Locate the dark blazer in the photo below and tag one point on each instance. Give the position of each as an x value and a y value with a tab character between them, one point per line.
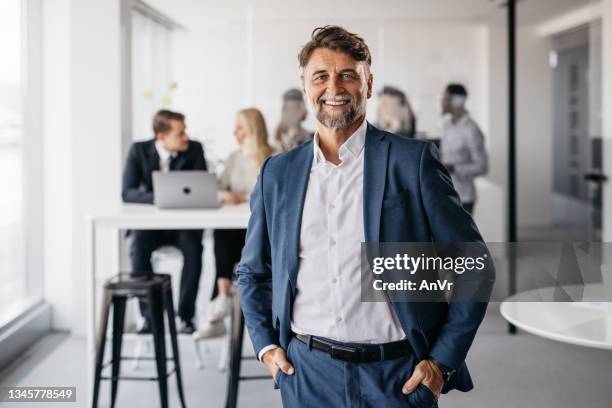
143	160
408	197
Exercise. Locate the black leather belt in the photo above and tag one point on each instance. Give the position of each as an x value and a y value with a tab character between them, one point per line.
358	354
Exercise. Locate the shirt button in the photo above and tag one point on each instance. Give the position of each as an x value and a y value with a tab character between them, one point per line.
332	242
338	319
334	280
332	206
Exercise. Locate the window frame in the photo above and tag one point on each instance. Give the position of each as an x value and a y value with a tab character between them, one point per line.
33	319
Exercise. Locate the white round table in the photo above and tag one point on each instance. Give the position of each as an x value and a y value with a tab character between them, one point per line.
587	323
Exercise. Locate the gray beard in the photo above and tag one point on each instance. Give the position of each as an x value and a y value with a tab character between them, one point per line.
355	112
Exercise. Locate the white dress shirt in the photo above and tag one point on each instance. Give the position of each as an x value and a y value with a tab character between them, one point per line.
164	157
328	298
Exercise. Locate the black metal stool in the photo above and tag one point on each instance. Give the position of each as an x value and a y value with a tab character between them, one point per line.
236	337
157	290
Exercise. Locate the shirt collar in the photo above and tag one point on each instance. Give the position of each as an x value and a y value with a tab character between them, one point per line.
353	145
162	152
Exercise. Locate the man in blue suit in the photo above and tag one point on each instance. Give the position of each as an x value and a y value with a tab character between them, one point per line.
299	276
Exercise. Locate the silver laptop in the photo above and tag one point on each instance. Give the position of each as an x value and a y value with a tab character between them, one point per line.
185	189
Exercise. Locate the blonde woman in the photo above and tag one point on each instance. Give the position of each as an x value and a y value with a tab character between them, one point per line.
236	182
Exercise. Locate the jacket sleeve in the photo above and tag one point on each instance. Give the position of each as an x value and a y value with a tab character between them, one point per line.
131	191
479	165
254	273
450	223
200	158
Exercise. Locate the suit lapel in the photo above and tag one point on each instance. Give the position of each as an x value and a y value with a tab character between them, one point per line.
374	178
374	181
296	180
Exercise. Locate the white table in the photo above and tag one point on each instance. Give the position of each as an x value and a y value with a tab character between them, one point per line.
103	246
587	323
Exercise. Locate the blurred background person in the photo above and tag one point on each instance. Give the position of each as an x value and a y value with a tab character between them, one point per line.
170	150
395	113
290	132
235	183
462	145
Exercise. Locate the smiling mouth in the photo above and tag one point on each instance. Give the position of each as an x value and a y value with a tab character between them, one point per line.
335	103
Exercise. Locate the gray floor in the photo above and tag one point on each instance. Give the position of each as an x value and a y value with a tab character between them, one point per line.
509	371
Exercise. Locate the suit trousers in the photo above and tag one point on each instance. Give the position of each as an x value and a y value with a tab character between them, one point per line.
189	242
320	381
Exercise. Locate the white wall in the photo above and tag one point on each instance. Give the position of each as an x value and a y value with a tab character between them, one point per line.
82	132
57	106
225	67
96	124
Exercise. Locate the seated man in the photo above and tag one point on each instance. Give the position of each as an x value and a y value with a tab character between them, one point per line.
170	150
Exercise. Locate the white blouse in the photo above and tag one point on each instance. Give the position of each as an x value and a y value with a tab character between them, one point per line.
240	173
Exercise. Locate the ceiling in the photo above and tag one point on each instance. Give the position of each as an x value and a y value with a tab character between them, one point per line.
201	13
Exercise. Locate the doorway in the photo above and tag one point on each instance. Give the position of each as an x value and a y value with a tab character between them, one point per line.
577	158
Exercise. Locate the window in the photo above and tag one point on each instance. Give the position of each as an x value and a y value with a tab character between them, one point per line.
21	246
12	85
152	82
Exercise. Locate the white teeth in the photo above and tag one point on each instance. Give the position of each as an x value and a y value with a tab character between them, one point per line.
335	103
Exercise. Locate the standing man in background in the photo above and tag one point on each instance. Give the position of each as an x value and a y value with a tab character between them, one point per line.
462	145
300	272
170	150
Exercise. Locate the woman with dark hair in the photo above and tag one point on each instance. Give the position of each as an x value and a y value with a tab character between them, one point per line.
290	132
395	113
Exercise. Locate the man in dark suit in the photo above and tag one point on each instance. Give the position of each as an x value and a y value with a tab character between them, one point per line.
170	150
299	276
